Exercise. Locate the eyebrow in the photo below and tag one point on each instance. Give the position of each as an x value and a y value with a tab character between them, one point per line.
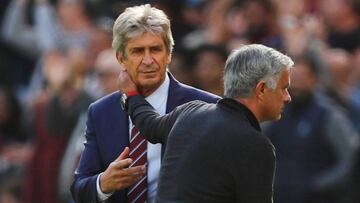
136	48
157	46
161	46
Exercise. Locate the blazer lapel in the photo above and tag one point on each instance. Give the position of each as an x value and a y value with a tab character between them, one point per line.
175	96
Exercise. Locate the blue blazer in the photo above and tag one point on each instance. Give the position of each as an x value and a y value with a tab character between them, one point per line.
107	134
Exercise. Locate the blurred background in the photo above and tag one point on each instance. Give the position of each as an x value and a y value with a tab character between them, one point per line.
56	58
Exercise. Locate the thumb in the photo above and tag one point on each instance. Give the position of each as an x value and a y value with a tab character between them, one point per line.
124	154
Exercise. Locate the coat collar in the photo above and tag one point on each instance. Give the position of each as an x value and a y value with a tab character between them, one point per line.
241	109
175	94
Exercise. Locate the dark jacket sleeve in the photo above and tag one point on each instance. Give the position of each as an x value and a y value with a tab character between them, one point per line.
84	190
154	127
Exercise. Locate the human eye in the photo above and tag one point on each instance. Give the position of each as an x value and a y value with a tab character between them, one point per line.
156	49
137	50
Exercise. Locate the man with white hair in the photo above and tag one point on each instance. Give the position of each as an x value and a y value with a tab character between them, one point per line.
215	152
143	43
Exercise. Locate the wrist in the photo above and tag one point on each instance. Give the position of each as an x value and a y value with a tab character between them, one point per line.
102	187
132	93
124	99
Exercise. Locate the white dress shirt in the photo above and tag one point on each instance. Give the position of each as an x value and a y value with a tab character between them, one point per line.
158	100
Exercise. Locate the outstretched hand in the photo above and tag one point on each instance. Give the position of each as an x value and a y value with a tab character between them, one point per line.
125	82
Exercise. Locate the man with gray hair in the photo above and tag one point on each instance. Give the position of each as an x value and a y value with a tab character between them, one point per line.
216	152
117	164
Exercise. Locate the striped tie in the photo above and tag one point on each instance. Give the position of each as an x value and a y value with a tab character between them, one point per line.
137	193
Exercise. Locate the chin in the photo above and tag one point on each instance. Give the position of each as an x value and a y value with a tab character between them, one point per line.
150	83
274	118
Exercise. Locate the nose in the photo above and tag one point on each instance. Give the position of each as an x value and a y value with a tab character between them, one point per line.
287	97
148	59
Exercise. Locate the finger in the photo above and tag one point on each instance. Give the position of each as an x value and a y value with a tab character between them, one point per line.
122	164
131	171
122	68
124	154
122	73
131	178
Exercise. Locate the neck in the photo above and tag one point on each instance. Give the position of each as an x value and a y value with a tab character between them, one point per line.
147	91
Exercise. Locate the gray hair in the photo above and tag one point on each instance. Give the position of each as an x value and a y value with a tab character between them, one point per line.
250	64
137	20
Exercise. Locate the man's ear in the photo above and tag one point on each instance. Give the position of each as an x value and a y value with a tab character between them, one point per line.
168	61
119	57
260	90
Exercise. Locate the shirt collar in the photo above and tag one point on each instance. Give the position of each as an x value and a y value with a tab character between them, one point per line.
241	108
159	96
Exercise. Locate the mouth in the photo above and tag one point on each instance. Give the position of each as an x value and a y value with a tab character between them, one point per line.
148	71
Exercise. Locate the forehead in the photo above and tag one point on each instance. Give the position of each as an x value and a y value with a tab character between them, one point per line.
146	40
284	79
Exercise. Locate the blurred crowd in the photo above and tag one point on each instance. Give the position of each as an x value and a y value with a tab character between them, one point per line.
56	58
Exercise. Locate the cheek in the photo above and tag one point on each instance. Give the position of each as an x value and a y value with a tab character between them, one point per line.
276	102
162	60
131	68
280	100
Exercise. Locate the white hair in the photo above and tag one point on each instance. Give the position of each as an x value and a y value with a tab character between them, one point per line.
250	64
137	20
